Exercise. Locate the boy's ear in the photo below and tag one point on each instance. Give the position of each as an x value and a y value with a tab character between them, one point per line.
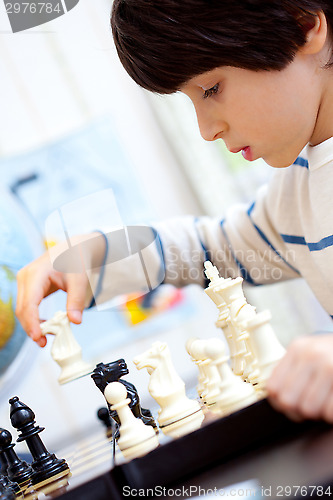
316	35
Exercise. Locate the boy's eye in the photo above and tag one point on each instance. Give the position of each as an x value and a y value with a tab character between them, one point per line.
211	91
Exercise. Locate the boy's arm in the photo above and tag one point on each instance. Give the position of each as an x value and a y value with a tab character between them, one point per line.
244	243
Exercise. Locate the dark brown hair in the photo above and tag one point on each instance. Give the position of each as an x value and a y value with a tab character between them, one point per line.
164	43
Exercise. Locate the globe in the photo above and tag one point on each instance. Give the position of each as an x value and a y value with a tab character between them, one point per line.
20	243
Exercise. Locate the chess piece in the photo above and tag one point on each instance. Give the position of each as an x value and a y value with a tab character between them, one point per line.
234	392
10	485
201	367
216	291
267	349
103	374
136	439
3	464
45	465
234	309
223	321
168	390
65	349
212	379
104	416
18	470
6	494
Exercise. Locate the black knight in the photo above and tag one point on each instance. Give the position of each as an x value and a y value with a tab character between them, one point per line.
104	374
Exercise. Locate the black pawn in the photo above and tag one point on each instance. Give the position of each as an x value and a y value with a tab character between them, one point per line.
104	415
6	494
45	465
18	470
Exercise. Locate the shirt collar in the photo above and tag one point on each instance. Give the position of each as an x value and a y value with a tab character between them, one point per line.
320	155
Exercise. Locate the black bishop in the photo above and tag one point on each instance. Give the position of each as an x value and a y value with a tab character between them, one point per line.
45	465
17	470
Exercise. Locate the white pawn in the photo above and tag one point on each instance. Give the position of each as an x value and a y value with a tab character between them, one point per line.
65	349
136	439
234	392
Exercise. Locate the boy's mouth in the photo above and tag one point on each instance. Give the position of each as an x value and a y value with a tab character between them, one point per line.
247	153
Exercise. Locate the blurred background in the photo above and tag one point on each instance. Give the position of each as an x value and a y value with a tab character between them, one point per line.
72	124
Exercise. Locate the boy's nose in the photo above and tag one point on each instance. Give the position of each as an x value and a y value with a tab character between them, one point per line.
211	129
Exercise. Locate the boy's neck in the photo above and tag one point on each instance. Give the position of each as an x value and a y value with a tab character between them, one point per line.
324	122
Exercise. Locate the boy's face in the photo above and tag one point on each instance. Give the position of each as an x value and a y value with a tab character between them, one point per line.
265	114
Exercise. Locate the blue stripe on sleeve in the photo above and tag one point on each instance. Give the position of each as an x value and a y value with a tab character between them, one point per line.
313	247
206	252
244	272
320	245
290	238
266	240
101	274
302	162
204	248
160	250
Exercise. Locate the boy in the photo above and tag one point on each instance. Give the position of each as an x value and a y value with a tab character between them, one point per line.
259	74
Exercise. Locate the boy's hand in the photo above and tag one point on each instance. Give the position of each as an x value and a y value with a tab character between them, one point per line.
38	280
301	385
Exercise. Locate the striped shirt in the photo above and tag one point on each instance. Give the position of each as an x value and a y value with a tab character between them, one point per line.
287	232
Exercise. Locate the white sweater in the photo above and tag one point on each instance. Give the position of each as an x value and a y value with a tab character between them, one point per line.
286	233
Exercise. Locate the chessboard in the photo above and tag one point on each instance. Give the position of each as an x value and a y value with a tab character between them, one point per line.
226	433
248	434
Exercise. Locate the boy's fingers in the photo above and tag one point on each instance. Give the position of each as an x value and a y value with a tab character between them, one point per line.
28	299
316	396
42	341
76	294
33	288
30	321
20	293
28	316
328	409
75	316
301	384
292	414
280	373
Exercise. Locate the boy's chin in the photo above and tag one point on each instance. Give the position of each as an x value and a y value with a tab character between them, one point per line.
279	163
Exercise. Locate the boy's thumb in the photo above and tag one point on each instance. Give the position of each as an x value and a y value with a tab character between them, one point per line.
76	292
74	315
